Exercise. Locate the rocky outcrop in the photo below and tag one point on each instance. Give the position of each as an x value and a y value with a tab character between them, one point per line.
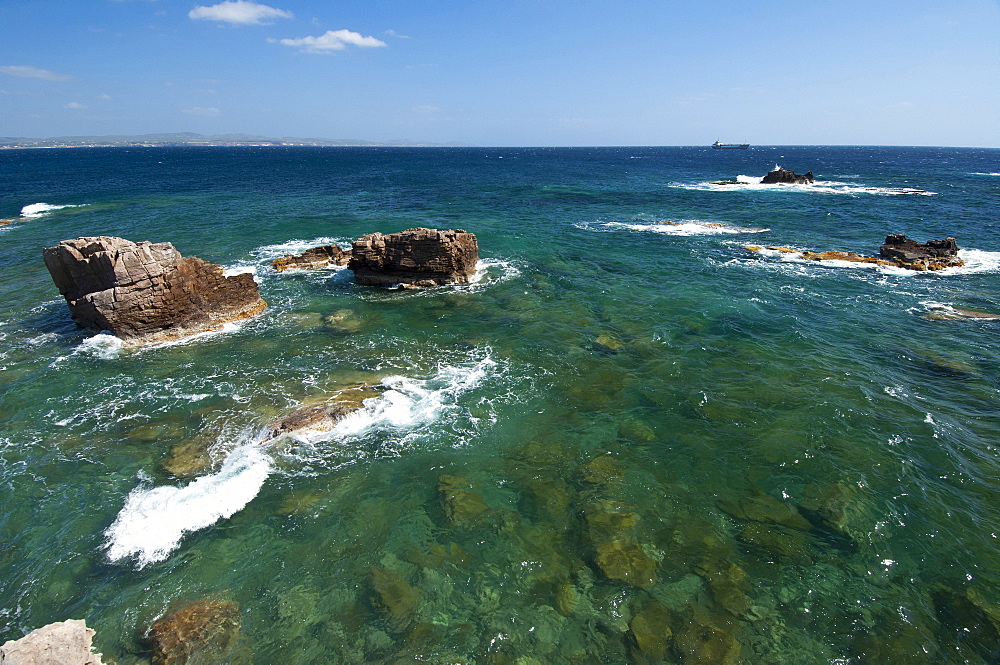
321	417
932	255
206	631
146	292
415	257
898	251
62	643
780	176
313	258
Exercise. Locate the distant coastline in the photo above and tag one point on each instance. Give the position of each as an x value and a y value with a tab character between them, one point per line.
188	139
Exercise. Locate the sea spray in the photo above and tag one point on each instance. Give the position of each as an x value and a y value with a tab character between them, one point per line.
154	519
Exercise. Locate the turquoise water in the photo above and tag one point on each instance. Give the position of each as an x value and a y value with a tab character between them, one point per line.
631	440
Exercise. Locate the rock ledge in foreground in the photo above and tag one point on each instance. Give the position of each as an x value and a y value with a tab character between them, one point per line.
415	257
61	643
146	292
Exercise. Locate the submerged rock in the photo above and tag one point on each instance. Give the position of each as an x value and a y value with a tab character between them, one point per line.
396	599
651	630
626	561
145	292
780	176
313	258
61	643
765	508
415	257
461	502
206	631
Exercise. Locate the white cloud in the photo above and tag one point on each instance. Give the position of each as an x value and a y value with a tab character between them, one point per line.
29	72
205	111
393	33
238	12
331	40
75	105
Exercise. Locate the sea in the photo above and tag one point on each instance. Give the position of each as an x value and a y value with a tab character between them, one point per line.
630	439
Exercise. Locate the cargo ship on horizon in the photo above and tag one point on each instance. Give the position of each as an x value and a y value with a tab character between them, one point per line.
730	146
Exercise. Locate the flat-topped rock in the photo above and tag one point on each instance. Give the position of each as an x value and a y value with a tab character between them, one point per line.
61	643
147	292
313	258
780	176
415	257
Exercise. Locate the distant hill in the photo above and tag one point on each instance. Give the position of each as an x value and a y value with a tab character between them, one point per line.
190	139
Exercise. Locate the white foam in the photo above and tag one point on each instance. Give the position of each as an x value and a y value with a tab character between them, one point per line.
153	520
752	183
688	227
240	270
410	402
494	271
267	253
976	262
989	174
41	209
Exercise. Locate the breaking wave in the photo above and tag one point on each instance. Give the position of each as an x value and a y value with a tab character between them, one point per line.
36	210
687	227
154	520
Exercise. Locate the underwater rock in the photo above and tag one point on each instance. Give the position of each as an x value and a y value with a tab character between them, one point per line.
207	630
651	630
343	321
145	292
786	543
932	255
704	643
566	598
190	457
728	584
765	508
60	643
895	640
972	619
313	258
462	504
607	343
780	176
603	470
416	257
828	506
626	561
396	599
322	417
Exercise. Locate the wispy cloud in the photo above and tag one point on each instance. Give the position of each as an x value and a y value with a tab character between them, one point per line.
204	111
238	12
29	72
76	105
331	40
393	33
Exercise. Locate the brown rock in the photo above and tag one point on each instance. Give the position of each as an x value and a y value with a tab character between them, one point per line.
323	416
312	259
462	503
61	643
145	292
765	508
207	630
625	561
651	630
418	257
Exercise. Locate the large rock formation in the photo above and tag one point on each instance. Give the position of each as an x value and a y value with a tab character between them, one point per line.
64	643
780	176
932	255
144	292
415	257
313	259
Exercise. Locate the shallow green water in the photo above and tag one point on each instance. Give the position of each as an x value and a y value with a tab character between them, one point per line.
629	441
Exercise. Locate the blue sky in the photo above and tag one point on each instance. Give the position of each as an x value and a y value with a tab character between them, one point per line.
518	72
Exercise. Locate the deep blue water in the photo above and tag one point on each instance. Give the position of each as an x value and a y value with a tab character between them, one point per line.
631	440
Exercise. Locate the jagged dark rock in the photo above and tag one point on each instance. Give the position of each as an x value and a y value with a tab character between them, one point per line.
932	255
146	292
780	176
313	259
415	257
